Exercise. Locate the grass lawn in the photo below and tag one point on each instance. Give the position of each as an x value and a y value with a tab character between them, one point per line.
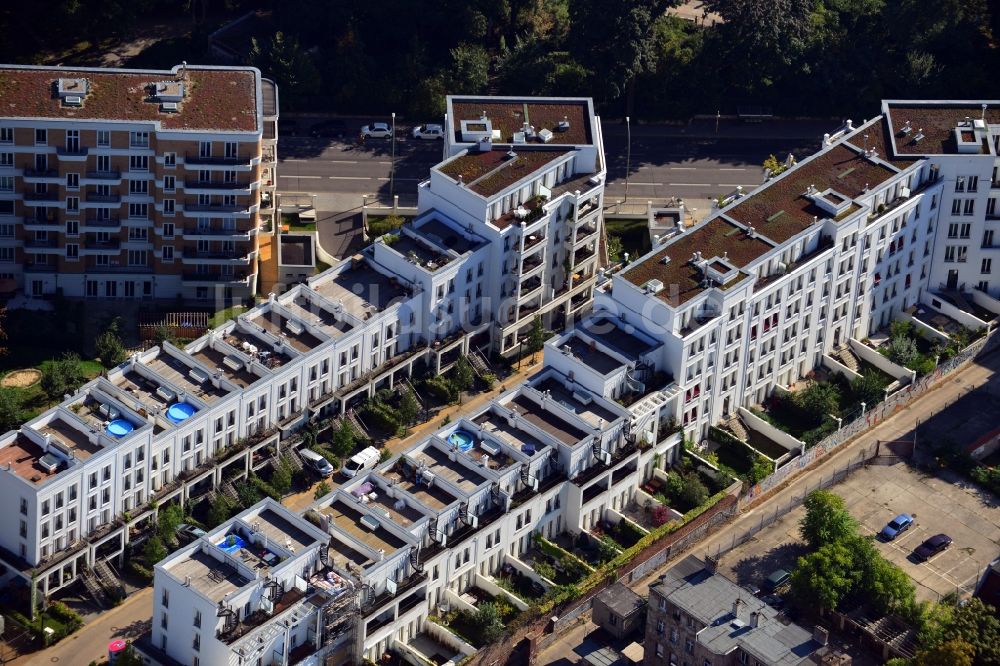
32	399
295	223
634	235
224	315
322	266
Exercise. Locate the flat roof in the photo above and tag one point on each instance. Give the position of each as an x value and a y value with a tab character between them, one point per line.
681	280
780	209
440	464
21	456
213	359
141	388
509	116
209	576
277	324
489	172
936	121
360	288
607	332
214	99
433	497
514	437
347	519
396	510
593	413
72	438
295	250
280	530
566	433
311	311
177	373
426	257
591	357
442	234
879	138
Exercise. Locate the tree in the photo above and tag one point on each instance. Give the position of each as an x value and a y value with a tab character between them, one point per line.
409	408
817	401
616	250
536	337
281	479
164	334
489	622
10	410
827	520
885	585
902	350
869	388
322	490
760	469
344	440
248	494
955	652
972	622
108	346
154	550
470	68
825	577
61	376
462	376
219	508
607	549
168	520
284	60
694	493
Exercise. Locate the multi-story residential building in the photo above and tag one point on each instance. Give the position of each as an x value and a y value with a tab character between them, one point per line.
526	175
698	617
250	591
135	184
877	222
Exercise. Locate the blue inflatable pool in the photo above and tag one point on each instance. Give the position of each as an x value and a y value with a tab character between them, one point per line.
180	411
119	428
232	543
461	439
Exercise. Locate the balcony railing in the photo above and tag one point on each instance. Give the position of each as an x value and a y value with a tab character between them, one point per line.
105	175
212	159
216	208
75	151
51	197
194	254
41	244
110	244
34	222
104	198
197	231
214	277
214	185
41	173
102	223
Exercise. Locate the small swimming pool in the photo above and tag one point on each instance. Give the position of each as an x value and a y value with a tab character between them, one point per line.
461	439
180	411
232	543
119	428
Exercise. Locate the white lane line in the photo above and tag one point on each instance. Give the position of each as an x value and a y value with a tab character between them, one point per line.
398	179
384	162
732	169
647	184
283	175
735	185
342	161
292	159
349	177
690	184
682	168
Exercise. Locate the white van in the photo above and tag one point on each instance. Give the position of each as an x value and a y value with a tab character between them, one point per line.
361	461
316	462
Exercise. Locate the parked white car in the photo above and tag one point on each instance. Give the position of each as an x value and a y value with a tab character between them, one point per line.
428	132
376	131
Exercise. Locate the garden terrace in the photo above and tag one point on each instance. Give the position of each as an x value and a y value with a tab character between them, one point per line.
440	464
211	577
21	455
681	280
534	208
277	325
935	319
590	355
440	233
269	355
780	209
593	413
178	373
937	122
420	253
361	290
607	333
213	99
495	176
959	300
509	117
348	521
514	437
566	433
306	310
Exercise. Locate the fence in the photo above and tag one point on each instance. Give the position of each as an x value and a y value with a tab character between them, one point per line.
864	421
185	325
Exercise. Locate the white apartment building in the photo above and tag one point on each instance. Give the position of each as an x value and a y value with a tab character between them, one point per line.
835	248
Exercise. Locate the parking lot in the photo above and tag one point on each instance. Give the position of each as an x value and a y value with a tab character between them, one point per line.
874	496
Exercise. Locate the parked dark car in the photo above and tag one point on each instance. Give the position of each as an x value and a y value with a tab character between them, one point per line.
931	547
778	578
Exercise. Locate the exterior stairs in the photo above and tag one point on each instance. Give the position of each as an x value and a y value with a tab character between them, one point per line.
94	588
847	357
734	425
109	579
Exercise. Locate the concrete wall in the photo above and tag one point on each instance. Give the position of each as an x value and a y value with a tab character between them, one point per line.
984	300
487	585
445	637
641	497
956	313
758	424
614	518
928	332
527	571
869	355
833	365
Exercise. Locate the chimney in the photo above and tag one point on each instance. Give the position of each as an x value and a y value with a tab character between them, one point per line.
711	564
755	619
821	635
737	607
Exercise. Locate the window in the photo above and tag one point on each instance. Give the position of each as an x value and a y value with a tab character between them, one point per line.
72	251
103	138
960	184
983	285
41	137
986	266
973	184
138	139
168	206
6	135
6	254
136	257
970	207
72	204
988	238
138	187
956	207
72	181
196	643
949	253
163	621
169	183
170	160
137	210
6	183
138	163
6	159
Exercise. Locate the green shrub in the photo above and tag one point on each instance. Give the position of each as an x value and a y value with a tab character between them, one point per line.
380	226
140	571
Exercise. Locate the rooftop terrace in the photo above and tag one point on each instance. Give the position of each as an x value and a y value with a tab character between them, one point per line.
780	208
440	464
509	116
566	433
212	577
590	355
142	389
432	496
446	237
361	290
319	316
487	173
73	439
681	280
593	413
214	360
177	373
605	331
937	122
21	456
213	99
280	530
278	325
348	520
420	254
516	438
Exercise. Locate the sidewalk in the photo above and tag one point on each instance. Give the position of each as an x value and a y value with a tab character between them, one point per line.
897	426
90	643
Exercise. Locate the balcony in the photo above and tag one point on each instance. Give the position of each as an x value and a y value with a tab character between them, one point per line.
42	197
585	232
111	244
105	175
216	276
583	254
36	267
115	268
216	208
532	240
102	224
528	287
72	151
213	160
33	175
234	257
41	224
215	185
228	234
531	263
104	198
41	244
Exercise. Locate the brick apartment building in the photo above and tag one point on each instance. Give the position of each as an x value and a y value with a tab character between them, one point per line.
135	184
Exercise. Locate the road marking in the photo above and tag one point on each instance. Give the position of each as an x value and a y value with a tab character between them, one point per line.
683	168
690	184
732	169
282	175
735	185
348	177
384	162
343	161
398	179
647	184
293	159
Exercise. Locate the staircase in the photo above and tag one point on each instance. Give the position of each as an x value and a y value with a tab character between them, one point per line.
94	589
353	419
734	425
294	461
109	579
847	357
478	363
229	491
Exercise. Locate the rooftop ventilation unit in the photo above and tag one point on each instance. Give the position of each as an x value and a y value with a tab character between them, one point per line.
166	393
490	448
545	135
653	286
73	100
49	462
233	363
919	136
294	326
906	128
370	522
169	107
563	125
199	376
